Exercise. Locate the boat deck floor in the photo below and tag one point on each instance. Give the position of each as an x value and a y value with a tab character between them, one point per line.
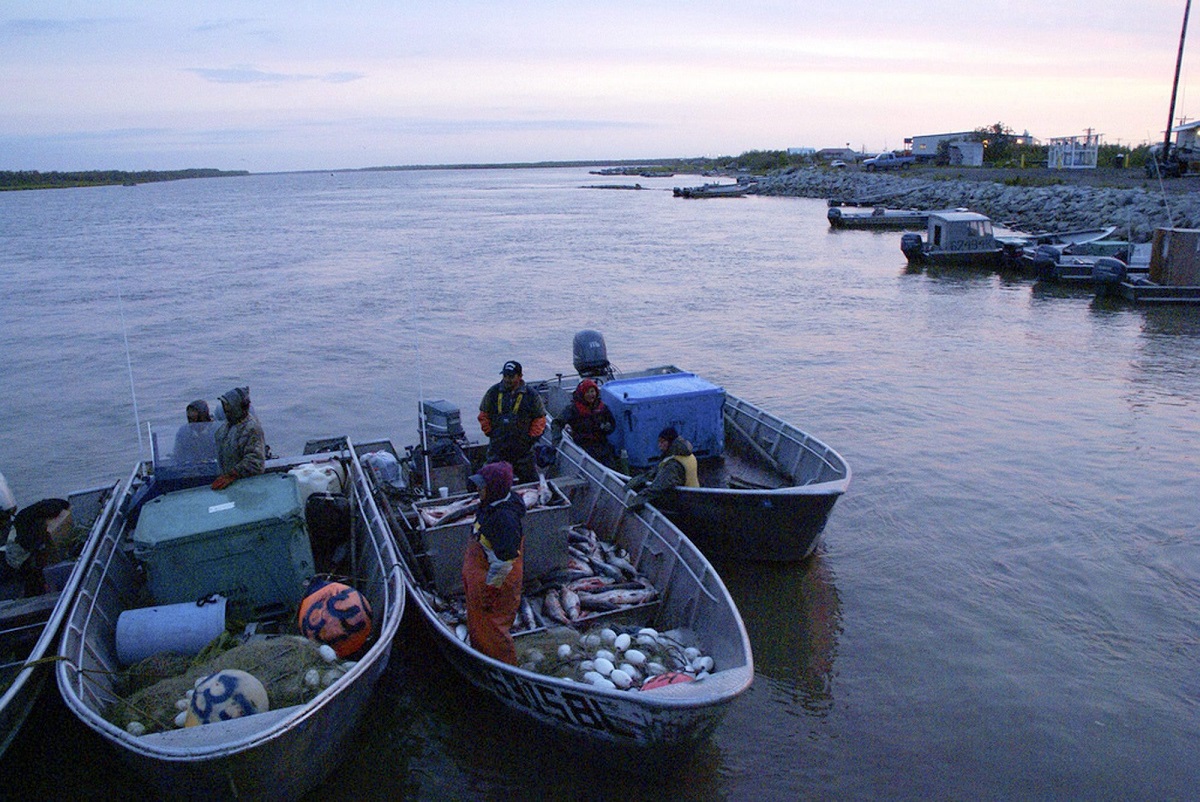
733	471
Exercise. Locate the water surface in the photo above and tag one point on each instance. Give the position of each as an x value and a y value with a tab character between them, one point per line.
1005	603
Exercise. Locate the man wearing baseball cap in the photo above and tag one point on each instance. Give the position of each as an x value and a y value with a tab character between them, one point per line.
513	417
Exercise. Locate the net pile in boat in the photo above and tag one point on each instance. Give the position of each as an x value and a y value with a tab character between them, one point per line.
281	663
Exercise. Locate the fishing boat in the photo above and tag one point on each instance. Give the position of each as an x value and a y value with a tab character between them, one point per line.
688	607
253	552
713	191
29	626
767	488
954	238
1172	278
1075	263
876	218
965	238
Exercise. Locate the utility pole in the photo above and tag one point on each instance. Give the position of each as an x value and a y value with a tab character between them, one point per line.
1175	84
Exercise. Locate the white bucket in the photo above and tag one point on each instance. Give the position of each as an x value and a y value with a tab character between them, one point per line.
182	628
318	477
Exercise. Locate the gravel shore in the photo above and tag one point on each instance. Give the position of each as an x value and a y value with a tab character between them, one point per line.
1032	200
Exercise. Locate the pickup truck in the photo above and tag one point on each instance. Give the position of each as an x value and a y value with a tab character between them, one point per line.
887	161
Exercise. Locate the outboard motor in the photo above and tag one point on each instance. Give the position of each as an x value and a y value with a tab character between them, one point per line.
910	246
590	355
1045	257
443	427
1109	271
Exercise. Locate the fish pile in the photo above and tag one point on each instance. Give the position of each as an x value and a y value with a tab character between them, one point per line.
598	578
623	658
443	514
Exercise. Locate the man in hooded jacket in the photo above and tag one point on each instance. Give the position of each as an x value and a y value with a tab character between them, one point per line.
195	441
590	421
493	566
241	445
678	468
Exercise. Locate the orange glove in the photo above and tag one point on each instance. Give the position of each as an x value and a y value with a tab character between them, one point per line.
224	480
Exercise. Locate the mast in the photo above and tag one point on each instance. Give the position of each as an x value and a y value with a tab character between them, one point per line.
1175	85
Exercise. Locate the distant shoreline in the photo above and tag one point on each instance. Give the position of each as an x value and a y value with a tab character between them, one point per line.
11	180
35	179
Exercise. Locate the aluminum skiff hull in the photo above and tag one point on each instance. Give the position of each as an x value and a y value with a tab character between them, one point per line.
768	497
280	754
692	597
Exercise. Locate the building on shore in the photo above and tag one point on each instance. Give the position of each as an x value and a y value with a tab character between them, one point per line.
1073	152
925	147
845	154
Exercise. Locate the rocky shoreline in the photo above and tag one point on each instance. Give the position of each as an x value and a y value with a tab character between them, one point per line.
1077	202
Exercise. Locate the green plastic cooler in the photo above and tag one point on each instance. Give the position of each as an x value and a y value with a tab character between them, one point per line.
247	542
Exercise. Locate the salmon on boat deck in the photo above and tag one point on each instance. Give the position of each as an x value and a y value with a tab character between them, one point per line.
626	635
258	712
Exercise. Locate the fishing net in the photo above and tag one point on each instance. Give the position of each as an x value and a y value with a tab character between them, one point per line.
280	663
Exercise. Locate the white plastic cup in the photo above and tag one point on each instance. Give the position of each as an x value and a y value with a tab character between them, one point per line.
444	492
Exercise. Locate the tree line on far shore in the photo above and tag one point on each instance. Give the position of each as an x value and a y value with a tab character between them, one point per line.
33	179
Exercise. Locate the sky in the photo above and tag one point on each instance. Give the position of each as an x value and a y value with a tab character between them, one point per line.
304	85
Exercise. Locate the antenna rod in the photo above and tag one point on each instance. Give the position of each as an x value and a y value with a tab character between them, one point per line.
1175	85
137	422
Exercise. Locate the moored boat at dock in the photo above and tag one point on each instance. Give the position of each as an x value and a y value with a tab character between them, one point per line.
878	217
1172	276
1076	263
713	191
965	238
954	238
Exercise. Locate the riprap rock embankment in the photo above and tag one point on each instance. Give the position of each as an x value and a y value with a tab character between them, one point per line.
1135	211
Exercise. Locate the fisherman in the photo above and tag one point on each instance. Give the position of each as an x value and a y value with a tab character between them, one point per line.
513	417
590	421
31	540
195	441
676	468
493	569
8	509
241	445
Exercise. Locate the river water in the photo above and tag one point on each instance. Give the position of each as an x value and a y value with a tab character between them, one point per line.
1006	603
